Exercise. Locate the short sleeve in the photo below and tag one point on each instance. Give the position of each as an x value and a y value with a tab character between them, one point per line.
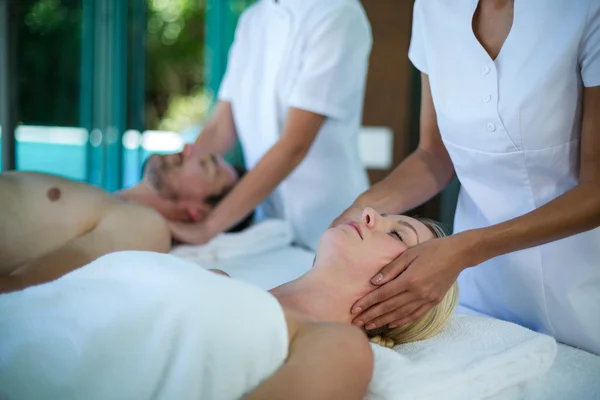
416	51
335	64
233	61
590	48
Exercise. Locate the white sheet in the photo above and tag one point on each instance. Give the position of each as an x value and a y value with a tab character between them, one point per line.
267	270
574	374
261	238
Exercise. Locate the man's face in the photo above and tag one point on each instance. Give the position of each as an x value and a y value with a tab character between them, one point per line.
190	175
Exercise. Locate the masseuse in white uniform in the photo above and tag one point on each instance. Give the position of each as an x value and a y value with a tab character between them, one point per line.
293	94
511	103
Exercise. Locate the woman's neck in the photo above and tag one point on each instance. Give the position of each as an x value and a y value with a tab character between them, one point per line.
321	295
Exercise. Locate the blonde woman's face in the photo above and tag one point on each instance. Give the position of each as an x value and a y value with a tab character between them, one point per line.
372	242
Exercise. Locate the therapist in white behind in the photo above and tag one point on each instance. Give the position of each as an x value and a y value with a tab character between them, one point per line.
511	103
293	94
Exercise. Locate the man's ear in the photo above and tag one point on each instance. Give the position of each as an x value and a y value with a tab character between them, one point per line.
197	211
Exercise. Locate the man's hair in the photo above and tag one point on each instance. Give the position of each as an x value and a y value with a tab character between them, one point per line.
155	179
215	199
145	164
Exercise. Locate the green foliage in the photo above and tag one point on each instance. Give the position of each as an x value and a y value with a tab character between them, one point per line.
186	111
45	16
48	61
49	55
175	64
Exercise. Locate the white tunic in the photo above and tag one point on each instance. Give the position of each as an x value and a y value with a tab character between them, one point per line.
512	127
312	55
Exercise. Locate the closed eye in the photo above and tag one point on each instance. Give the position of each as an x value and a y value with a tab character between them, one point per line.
203	165
396	235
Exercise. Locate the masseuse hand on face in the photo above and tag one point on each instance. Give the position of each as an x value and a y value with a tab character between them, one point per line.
406	294
417	280
411	285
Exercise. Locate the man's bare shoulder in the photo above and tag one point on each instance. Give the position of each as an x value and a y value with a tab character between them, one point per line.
54	189
51	199
139	225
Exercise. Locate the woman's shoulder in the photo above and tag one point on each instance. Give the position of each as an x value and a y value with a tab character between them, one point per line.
337	351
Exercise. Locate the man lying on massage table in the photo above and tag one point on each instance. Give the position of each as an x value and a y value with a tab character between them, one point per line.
51	225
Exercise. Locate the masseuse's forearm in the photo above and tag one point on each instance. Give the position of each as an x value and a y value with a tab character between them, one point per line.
300	130
219	134
10	284
417	179
422	175
574	212
254	188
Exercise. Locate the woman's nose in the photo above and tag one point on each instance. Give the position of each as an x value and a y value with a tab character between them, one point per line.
370	217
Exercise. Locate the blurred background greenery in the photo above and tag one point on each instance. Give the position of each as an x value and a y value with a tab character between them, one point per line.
101	84
175	96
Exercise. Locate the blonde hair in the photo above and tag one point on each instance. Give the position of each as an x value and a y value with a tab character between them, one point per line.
428	325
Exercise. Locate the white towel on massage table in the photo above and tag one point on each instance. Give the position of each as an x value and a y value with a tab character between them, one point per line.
265	236
127	327
573	375
472	358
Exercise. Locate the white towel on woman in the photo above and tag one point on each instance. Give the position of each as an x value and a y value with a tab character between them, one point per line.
265	236
136	325
472	358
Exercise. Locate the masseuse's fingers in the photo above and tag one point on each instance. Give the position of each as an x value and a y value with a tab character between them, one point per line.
395	314
380	309
414	316
395	268
373	304
189	233
197	212
389	281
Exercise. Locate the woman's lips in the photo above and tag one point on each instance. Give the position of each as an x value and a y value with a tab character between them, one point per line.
357	227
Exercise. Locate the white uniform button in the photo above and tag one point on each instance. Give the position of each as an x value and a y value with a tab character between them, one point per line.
486	99
491	127
485	70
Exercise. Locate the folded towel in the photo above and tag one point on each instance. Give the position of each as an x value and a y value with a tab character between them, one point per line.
573	375
472	358
263	237
137	325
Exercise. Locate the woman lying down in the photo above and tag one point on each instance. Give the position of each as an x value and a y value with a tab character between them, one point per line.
136	325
